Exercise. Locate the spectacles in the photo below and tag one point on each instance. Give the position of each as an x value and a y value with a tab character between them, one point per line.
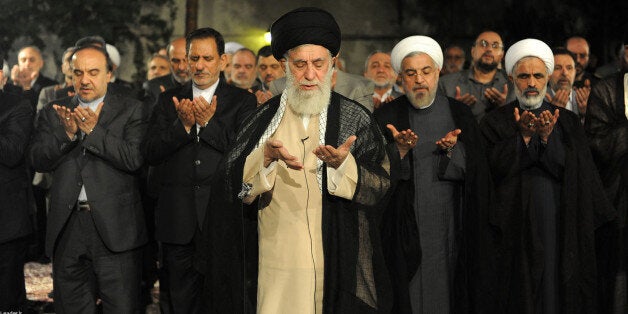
413	74
483	43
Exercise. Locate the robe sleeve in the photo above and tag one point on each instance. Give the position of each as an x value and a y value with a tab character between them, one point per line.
261	179
342	182
452	168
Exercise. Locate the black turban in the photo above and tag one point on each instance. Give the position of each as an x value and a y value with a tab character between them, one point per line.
304	26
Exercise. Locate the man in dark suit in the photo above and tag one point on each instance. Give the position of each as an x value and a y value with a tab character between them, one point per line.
25	75
16	116
178	72
91	142
190	129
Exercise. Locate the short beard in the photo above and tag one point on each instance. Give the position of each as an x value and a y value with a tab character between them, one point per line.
486	67
308	102
422	102
533	102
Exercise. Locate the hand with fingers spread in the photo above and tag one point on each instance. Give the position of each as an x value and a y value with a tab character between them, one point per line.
582	96
448	142
334	157
496	97
274	150
560	99
185	111
86	119
545	124
204	111
526	122
67	120
467	98
405	140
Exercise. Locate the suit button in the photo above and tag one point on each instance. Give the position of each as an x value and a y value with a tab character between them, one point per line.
197	162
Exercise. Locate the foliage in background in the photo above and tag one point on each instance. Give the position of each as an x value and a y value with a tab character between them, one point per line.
143	25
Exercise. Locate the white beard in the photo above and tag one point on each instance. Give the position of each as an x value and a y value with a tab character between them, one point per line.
308	102
531	102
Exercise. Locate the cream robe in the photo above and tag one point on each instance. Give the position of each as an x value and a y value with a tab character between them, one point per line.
291	260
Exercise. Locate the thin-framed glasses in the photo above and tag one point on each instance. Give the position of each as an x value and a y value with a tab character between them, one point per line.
483	43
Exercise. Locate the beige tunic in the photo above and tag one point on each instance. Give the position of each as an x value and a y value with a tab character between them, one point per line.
291	261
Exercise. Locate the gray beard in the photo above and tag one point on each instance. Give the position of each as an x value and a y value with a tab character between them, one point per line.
308	102
530	103
423	102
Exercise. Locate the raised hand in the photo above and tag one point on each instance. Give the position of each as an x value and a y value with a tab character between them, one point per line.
405	140
334	157
545	124
467	98
274	150
560	99
204	111
582	96
526	123
67	120
86	119
449	141
185	112
496	97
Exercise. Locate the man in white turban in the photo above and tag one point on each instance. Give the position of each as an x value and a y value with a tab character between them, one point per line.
549	197
439	177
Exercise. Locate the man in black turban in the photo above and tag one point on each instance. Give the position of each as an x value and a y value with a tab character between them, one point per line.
300	193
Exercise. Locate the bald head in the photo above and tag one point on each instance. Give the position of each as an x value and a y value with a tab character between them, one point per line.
29	58
178	61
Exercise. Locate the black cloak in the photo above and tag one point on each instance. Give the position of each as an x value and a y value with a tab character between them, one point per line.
583	207
474	279
606	126
228	249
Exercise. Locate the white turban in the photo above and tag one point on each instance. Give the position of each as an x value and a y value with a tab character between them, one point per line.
416	44
231	47
529	48
113	53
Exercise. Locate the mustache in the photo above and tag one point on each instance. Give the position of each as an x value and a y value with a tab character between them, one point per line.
420	87
531	89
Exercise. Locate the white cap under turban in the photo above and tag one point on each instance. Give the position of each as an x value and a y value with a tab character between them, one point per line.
113	53
529	48
416	44
231	47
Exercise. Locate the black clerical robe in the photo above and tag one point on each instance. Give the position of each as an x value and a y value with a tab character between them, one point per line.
582	207
606	125
473	280
228	252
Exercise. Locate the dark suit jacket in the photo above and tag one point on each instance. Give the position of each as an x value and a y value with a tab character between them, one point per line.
16	116
185	163
106	162
33	93
152	88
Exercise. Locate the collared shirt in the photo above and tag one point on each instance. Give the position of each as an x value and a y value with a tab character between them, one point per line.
207	94
468	84
93	105
572	104
384	96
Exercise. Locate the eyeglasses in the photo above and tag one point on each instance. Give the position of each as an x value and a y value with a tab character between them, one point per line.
413	74
483	43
